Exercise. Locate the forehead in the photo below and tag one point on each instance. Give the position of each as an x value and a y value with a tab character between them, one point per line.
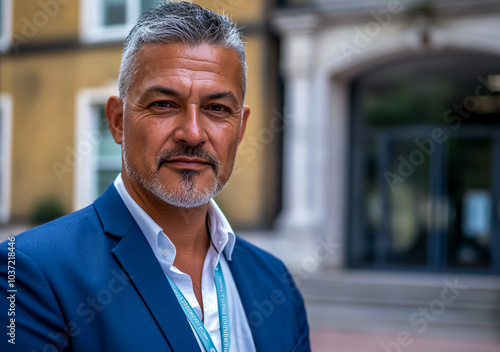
157	63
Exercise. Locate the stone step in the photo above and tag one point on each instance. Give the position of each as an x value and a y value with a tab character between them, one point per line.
415	305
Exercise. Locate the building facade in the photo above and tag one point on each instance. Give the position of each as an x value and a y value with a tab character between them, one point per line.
391	161
395	107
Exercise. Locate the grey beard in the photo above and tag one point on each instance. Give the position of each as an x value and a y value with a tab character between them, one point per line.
186	196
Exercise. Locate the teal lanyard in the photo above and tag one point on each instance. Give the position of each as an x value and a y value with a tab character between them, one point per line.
196	322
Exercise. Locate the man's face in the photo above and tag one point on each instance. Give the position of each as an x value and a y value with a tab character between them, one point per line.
183	120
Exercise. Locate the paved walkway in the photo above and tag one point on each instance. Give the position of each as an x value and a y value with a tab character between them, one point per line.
348	341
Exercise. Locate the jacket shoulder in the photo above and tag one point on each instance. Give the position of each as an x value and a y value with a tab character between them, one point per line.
260	258
256	252
60	235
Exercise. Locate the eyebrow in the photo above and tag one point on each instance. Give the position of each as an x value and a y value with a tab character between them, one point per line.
172	92
159	89
221	95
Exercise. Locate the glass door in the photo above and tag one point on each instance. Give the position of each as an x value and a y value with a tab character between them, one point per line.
428	205
425	166
397	202
470	207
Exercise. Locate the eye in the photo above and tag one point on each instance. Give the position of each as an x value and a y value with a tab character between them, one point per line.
162	104
217	108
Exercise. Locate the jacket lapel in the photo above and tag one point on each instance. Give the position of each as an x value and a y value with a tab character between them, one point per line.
253	295
137	259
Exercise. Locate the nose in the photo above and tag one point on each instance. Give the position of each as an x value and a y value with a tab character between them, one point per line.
190	129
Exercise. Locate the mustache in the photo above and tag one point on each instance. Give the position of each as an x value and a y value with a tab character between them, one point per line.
190	152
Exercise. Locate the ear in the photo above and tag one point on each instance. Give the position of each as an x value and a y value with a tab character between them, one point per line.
114	115
246	114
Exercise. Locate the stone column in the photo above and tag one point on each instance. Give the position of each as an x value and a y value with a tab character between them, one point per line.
300	213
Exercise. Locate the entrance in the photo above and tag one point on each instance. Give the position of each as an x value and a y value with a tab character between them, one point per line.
425	162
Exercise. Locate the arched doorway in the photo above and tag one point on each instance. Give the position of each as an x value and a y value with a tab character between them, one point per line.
425	164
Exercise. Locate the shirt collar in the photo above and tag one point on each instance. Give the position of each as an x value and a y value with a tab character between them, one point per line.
222	235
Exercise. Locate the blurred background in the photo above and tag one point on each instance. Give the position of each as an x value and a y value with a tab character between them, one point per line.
371	164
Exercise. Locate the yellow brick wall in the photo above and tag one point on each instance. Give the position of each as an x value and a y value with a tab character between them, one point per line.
45	20
44	88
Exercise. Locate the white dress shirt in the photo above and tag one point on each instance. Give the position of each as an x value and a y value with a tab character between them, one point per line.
223	239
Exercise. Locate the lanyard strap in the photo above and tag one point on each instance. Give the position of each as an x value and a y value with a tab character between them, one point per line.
223	310
195	321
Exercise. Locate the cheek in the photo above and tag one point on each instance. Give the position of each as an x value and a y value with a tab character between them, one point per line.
229	153
140	145
225	139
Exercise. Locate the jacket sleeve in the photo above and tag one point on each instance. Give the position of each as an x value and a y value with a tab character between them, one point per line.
30	315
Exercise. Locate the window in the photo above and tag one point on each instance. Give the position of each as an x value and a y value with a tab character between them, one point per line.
5	24
106	20
108	164
426	174
114	13
5	155
98	157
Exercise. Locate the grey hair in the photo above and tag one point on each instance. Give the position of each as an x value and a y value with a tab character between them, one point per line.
179	22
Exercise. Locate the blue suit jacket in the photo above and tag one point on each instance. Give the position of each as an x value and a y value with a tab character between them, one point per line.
89	281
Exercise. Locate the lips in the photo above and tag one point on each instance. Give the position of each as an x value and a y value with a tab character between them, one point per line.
190	158
187	163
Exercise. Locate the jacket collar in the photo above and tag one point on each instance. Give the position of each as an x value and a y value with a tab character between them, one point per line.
256	298
135	256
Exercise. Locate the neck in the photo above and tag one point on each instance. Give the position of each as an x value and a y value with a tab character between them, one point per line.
185	227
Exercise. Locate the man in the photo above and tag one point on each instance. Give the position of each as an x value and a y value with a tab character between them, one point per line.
153	264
